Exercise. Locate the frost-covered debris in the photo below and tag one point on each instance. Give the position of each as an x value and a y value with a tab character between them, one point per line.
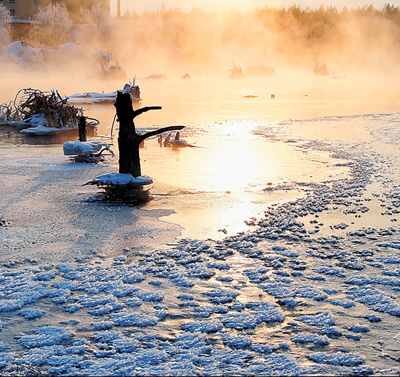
118	179
86	151
41	113
100	98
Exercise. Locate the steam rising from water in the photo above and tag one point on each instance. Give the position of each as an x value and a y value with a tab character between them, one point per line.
290	48
210	43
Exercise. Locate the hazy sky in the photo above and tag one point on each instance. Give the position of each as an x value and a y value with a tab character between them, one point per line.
223	5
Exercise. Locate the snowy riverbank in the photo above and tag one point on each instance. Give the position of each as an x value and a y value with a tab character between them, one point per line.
311	288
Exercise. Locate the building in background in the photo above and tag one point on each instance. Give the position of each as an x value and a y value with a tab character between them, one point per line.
23	11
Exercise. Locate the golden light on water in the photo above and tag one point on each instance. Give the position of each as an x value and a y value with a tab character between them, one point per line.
221	182
229	157
232	160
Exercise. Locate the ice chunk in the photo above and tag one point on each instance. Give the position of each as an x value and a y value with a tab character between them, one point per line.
304	338
31	313
129	318
125	344
204	326
237	342
321	319
358	328
150	296
46	336
338	358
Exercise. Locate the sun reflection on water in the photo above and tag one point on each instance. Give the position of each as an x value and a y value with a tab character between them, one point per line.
229	157
220	183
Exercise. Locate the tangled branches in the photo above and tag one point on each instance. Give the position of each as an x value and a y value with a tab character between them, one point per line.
29	103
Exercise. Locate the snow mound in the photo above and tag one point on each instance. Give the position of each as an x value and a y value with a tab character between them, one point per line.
118	179
83	148
23	54
42	130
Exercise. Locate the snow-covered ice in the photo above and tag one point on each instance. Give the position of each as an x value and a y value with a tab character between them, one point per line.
311	288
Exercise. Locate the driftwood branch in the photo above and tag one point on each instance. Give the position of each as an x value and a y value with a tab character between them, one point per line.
144	109
160	131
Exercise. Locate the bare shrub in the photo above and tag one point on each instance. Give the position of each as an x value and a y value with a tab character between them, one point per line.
53	25
98	15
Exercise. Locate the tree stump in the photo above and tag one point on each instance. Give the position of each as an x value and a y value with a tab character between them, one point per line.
128	139
82	129
129	184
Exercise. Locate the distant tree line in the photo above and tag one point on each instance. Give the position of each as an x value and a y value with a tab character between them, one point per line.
292	34
199	39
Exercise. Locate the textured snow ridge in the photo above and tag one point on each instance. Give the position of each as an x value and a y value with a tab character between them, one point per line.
376	300
46	336
338	358
281	290
305	338
128	318
321	319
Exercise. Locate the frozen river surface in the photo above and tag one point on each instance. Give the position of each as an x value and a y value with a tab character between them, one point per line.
308	285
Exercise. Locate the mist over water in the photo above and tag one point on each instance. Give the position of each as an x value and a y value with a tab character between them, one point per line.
307	58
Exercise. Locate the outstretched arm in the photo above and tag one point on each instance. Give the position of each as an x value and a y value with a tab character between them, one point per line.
160	131
144	109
